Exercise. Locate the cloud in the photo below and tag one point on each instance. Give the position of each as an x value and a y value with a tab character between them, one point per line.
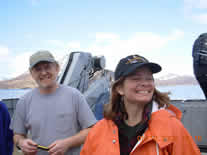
6	60
201	18
4	51
176	34
74	45
195	4
20	63
113	47
151	45
202	4
147	44
62	48
35	2
195	10
56	43
14	65
100	36
28	36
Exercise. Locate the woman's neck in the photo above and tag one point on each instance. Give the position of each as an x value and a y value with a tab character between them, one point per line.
135	113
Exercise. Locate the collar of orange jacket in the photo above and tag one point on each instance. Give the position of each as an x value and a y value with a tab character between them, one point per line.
160	128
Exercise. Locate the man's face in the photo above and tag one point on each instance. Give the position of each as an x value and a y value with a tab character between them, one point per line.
45	74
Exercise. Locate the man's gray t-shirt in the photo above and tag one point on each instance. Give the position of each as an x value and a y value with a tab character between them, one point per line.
51	117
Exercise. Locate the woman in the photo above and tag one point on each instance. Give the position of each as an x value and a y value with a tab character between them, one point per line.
139	119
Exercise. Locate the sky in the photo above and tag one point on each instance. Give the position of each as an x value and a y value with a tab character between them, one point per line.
163	31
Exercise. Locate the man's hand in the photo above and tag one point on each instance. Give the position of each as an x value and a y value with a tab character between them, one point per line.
59	147
28	146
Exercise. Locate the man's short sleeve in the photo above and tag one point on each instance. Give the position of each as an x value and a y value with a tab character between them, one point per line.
85	116
18	121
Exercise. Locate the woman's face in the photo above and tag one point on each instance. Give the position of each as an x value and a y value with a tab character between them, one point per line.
138	87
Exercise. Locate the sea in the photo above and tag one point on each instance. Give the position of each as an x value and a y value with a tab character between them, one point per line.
178	92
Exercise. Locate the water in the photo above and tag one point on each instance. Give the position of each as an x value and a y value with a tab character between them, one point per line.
12	93
179	92
183	92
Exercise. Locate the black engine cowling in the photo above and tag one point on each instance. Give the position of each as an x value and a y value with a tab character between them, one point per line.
200	61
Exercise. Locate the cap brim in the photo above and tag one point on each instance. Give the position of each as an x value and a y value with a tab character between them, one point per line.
41	60
155	68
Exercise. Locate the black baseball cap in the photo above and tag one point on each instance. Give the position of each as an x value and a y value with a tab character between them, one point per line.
128	65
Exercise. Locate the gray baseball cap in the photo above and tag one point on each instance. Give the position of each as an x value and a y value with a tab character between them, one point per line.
40	56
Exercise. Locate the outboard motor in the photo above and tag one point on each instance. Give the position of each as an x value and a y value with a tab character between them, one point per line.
86	73
200	61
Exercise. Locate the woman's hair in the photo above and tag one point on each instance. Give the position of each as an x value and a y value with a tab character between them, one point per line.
116	105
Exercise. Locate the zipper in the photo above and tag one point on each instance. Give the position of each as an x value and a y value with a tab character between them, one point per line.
157	149
137	144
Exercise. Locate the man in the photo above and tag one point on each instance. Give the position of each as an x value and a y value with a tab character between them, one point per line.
6	141
57	116
200	61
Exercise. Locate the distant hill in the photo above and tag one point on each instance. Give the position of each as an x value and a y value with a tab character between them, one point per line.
173	79
20	82
25	81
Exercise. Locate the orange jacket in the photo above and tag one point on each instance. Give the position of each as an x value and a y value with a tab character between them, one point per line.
165	135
